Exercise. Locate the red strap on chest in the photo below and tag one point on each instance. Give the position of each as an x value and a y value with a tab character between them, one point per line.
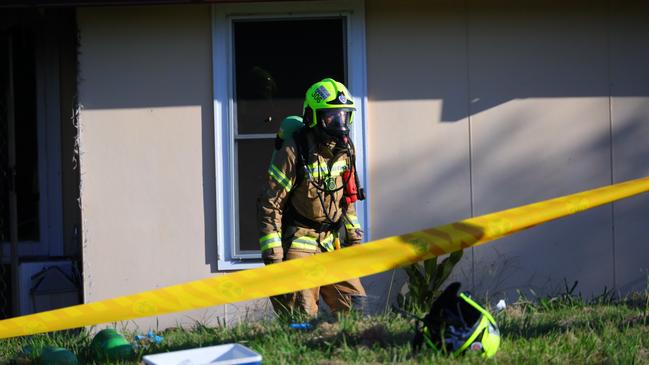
351	190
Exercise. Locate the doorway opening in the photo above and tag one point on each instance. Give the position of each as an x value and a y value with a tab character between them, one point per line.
39	212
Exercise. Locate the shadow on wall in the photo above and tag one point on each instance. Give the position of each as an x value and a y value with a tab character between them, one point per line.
555	108
509	47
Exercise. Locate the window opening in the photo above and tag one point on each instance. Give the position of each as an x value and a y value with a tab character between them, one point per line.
275	61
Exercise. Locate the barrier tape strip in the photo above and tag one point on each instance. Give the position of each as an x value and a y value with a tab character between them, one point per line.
322	269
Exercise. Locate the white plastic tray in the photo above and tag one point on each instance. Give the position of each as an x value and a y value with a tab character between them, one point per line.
229	354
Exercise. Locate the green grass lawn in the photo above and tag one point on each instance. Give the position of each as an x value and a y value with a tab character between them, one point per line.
560	330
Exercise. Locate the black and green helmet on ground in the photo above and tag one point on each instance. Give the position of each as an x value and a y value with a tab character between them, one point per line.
329	105
456	323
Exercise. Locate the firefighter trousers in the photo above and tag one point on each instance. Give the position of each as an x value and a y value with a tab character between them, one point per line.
338	296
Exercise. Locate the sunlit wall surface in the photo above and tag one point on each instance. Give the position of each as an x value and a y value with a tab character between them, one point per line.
472	107
490	105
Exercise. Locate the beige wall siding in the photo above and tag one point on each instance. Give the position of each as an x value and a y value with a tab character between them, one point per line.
417	117
472	109
540	129
630	132
536	79
147	164
417	121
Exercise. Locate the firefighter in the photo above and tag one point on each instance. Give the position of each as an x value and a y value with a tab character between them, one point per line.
307	201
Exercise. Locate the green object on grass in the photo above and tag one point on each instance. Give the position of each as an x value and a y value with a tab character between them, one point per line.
58	356
108	344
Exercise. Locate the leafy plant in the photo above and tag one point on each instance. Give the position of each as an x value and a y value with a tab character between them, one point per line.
425	279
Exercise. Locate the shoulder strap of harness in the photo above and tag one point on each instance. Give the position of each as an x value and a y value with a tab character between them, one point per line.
302	155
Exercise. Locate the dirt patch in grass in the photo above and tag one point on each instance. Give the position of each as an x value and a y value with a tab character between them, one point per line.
376	334
515	312
638	320
643	355
326	330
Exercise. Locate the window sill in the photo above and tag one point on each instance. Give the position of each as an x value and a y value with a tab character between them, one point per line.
231	265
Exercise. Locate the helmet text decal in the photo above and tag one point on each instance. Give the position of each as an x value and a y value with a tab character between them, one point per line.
320	94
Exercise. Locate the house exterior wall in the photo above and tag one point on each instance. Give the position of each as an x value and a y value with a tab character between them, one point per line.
484	107
502	103
146	151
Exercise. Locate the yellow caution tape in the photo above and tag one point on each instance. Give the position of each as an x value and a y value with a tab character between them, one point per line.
326	268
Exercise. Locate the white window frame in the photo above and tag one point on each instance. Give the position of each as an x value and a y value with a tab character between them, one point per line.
225	162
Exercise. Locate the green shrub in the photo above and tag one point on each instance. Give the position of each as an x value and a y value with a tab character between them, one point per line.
424	283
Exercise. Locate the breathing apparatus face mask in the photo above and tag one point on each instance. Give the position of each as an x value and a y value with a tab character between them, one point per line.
335	122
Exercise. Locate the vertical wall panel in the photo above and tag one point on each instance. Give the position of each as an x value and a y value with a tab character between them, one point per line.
630	110
540	129
146	151
418	132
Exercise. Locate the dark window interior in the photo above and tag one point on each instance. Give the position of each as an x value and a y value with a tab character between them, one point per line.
275	61
21	49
